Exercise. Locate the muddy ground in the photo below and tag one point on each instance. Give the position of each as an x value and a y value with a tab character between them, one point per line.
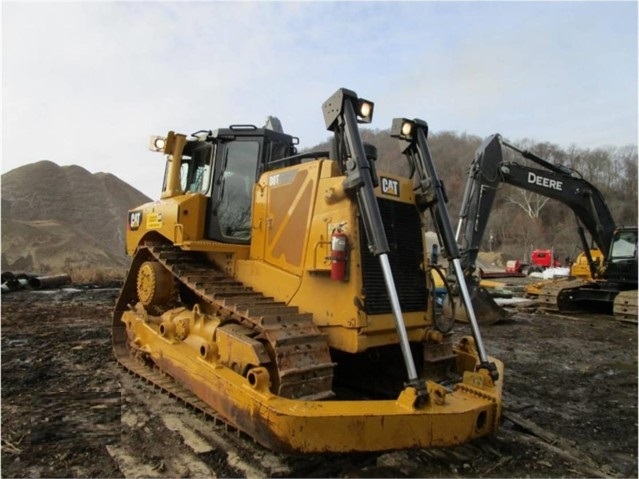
69	411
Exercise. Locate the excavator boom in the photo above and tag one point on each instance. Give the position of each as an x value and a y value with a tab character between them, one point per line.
489	170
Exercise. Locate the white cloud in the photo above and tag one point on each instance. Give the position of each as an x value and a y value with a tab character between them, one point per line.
93	89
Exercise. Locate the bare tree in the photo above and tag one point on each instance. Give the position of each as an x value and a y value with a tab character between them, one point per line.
531	203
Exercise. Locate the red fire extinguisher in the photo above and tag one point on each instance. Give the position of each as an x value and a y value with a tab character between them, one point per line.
339	243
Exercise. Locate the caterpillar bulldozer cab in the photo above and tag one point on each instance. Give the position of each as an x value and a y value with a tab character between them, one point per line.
217	169
287	293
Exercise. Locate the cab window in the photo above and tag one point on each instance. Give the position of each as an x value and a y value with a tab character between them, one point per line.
195	172
624	246
240	167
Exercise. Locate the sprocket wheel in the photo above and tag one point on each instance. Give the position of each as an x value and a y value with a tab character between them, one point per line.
155	285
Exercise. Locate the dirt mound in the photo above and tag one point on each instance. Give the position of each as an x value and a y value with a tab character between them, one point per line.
62	218
493	260
48	246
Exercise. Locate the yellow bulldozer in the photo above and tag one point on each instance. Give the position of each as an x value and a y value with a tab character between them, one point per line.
287	293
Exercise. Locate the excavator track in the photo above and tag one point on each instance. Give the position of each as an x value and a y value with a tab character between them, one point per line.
549	292
581	295
297	348
625	306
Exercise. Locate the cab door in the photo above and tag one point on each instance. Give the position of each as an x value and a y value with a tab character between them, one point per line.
229	218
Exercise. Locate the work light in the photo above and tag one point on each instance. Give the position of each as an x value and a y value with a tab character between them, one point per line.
163	144
334	107
405	129
157	143
364	111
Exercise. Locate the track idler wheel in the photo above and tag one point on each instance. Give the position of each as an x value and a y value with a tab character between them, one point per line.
155	285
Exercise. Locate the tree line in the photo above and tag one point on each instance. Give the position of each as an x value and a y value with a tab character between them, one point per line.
521	221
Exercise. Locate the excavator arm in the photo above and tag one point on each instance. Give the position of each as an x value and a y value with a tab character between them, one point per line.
489	169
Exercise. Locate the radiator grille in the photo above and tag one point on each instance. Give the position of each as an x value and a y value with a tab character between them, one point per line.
403	231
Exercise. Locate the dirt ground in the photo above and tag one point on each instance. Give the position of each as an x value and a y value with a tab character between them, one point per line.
69	411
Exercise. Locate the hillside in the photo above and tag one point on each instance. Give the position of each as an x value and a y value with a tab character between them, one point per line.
64	219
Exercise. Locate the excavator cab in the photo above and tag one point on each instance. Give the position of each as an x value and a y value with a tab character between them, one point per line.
622	263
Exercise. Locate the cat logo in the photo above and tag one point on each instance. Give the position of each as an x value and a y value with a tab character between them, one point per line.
390	186
135	219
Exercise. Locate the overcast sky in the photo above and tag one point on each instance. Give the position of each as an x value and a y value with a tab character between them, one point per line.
87	83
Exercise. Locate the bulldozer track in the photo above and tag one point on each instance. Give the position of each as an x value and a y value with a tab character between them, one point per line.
158	379
194	419
298	348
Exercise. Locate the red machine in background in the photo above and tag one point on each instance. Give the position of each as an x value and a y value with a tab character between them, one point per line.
540	259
